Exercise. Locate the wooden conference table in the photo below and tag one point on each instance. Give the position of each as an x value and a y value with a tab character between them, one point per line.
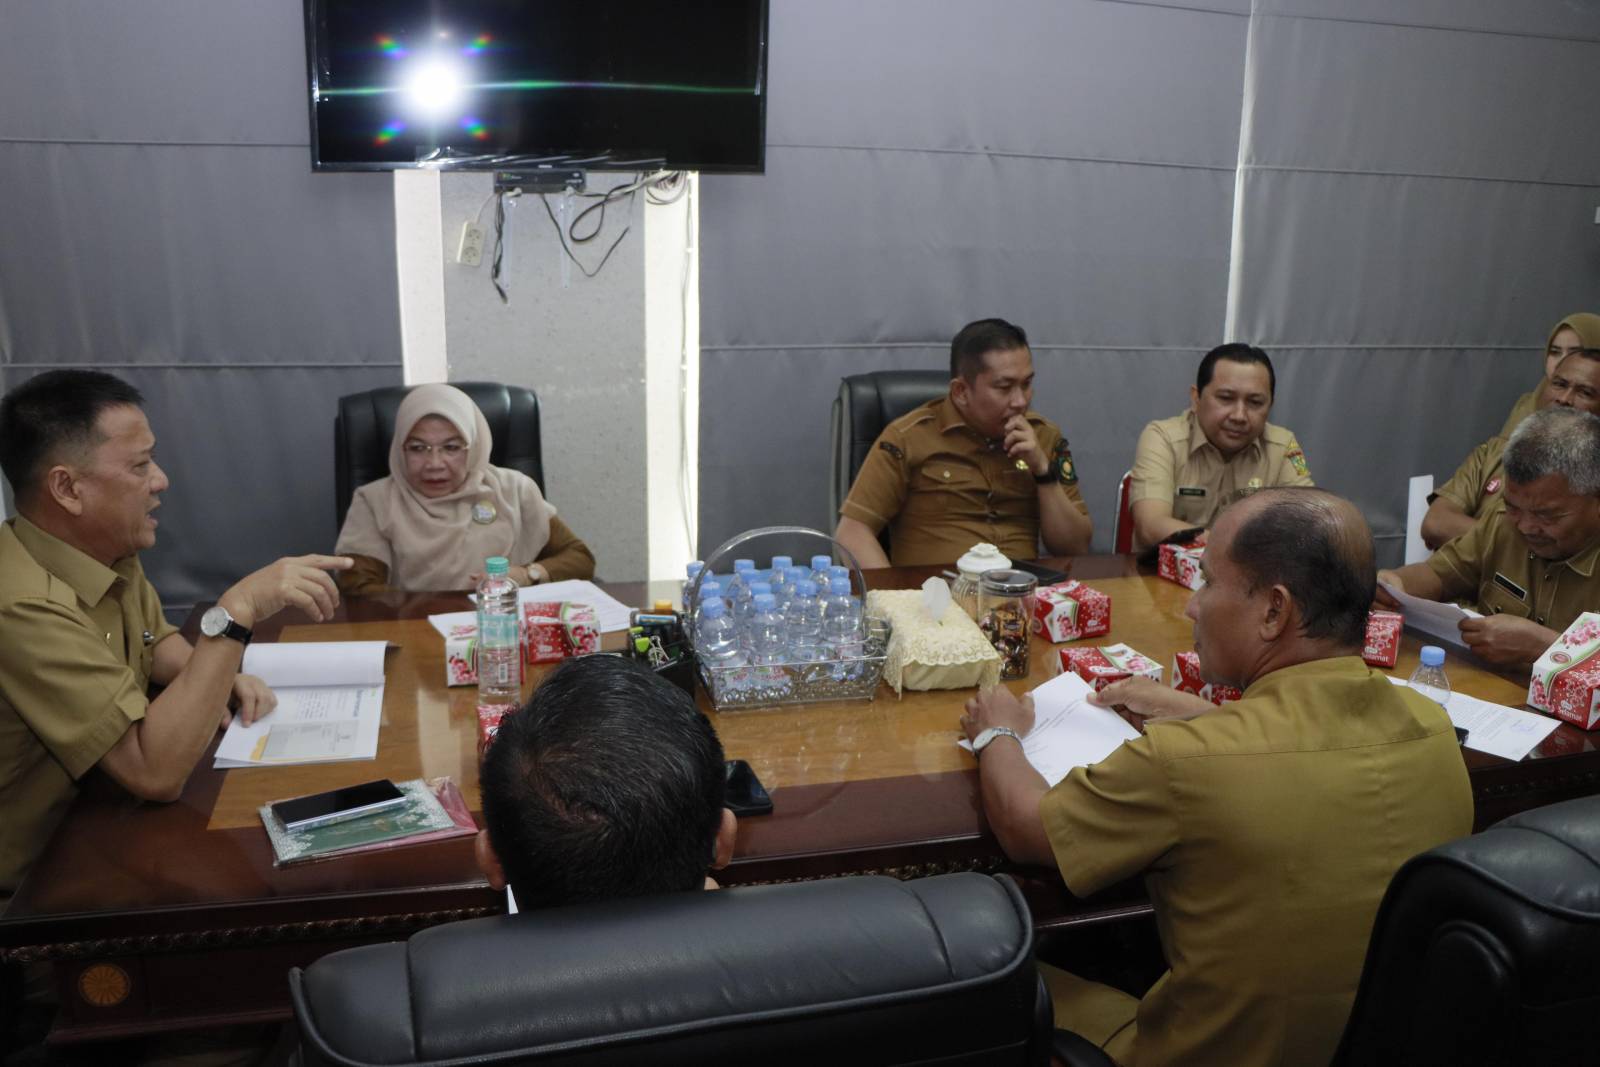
167	916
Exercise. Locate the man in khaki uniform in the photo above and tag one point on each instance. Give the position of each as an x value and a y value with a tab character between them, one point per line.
973	466
81	630
1572	335
1530	567
1474	490
1189	467
1266	829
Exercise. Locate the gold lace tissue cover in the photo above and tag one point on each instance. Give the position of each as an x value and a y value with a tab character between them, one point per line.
953	654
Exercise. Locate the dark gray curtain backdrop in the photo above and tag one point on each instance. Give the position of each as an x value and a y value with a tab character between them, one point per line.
159	220
1415	204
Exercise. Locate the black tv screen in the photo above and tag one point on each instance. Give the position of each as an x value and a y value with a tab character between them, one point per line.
482	84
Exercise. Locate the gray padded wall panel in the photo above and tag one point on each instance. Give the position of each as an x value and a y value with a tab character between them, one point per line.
162	222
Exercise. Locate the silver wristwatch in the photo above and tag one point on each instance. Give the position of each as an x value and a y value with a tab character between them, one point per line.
981	742
216	622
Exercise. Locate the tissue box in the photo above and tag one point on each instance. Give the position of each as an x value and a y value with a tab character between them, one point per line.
1383	638
1181	564
555	629
489	716
1566	679
1071	610
1112	663
1186	679
461	656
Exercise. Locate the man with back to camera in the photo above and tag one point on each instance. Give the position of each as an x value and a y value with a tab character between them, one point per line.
1267	829
608	783
975	465
1534	565
1189	467
82	636
1474	490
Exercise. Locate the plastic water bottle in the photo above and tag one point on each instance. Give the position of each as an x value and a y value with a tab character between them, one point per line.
819	572
710	589
838	580
802	616
768	648
1428	679
694	569
842	628
499	644
739	595
739	579
717	644
748	605
785	593
778	576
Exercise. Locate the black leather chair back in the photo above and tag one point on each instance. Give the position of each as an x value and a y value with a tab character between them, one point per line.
848	970
1486	950
364	427
865	405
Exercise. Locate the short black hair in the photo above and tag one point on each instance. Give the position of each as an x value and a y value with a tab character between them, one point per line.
977	339
1235	352
1316	545
58	407
608	783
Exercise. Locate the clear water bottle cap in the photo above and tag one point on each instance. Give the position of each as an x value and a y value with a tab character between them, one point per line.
782	563
1432	656
766	602
837	571
821	563
757	588
710	589
805	587
741	565
496	566
797	574
713	608
695	567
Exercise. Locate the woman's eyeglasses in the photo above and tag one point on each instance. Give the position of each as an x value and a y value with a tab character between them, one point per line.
449	450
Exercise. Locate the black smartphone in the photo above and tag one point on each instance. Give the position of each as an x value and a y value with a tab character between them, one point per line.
1046	575
337	805
745	795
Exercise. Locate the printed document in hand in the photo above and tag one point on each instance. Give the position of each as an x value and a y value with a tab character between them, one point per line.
1510	733
1068	731
330	704
612	613
1437	620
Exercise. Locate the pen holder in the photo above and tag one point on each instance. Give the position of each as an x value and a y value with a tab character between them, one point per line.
850	677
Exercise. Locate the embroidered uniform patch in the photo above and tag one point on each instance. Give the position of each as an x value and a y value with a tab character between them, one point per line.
1061	464
1297	460
893	450
1490	489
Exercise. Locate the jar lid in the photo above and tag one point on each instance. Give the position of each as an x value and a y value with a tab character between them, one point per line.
981	557
1008	583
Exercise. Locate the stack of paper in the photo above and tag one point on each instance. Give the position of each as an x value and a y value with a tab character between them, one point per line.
330	704
1442	622
1068	731
613	614
1510	733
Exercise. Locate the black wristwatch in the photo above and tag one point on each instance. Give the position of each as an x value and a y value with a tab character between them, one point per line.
1046	478
216	622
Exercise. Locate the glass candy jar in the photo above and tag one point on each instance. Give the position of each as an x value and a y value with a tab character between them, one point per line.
1005	615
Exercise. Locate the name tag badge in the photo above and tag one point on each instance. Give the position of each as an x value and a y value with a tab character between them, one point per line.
1191	490
1511	587
483	512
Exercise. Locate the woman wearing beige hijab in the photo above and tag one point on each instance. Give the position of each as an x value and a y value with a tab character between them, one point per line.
444	509
1580	330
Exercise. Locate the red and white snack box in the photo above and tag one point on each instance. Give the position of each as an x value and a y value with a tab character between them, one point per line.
1181	564
555	629
489	716
1186	679
1071	610
1566	679
461	656
1383	638
1111	663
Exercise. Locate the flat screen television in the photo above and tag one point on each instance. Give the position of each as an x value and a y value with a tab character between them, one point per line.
488	84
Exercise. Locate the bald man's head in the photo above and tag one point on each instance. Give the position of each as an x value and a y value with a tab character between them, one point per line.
1314	544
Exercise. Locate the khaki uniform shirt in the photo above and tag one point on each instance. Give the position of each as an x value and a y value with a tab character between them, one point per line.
1475	486
77	641
940	488
1525	406
1267	832
1175	462
1491	565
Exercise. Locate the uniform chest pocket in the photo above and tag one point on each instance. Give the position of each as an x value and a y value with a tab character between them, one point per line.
1498	600
951	475
1191	504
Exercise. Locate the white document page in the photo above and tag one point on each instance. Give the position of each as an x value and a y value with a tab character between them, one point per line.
612	613
1416	507
1510	733
1068	731
1437	620
330	705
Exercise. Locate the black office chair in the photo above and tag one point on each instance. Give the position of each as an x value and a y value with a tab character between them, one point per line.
865	405
847	970
364	427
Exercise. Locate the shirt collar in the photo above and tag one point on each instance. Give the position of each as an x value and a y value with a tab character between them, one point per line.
1199	440
1584	562
88	577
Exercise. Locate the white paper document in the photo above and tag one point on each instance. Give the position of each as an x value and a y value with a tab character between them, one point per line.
1416	507
1068	731
612	613
330	705
1436	619
1510	733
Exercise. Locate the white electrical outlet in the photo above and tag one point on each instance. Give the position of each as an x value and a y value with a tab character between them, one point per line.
470	253
1597	216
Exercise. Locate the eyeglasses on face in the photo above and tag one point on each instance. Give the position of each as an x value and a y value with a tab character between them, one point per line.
449	450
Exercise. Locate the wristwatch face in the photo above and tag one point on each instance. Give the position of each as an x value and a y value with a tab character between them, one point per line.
215	621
